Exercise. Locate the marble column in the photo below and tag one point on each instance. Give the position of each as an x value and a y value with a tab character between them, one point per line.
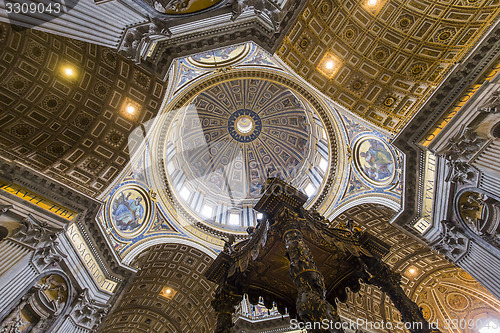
483	266
16	273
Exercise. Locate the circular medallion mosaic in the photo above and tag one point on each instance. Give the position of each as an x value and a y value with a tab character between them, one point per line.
457	301
374	160
129	211
426	311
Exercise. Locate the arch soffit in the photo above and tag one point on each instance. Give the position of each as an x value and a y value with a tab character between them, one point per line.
138	248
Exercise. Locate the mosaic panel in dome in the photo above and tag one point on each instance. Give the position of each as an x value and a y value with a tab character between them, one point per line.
131	214
374	160
382	62
130	210
63	106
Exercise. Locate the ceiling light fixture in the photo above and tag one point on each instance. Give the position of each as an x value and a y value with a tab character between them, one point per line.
329	64
372	3
168	292
69	71
412	270
130	109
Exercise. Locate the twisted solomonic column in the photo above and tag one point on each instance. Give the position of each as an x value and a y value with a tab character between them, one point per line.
389	282
312	307
224	305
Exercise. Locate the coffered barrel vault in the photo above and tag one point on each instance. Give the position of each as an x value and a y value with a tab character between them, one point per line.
71	126
133	152
389	57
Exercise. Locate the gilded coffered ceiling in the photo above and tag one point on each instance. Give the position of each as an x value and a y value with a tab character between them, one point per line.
67	107
383	61
168	294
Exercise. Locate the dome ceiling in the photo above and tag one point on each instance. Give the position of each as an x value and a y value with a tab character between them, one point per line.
382	62
222	146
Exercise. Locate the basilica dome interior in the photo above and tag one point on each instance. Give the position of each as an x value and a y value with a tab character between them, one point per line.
249	166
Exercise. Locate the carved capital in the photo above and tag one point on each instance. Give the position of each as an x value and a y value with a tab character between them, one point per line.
464	144
48	255
264	8
459	171
87	313
139	35
453	243
492	105
33	232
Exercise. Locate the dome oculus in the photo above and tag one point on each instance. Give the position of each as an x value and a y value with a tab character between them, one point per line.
244	125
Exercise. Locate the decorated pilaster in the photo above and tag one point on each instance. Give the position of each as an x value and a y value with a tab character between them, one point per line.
27	251
85	316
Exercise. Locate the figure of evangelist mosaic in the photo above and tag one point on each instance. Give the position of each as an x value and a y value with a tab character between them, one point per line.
375	160
128	210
